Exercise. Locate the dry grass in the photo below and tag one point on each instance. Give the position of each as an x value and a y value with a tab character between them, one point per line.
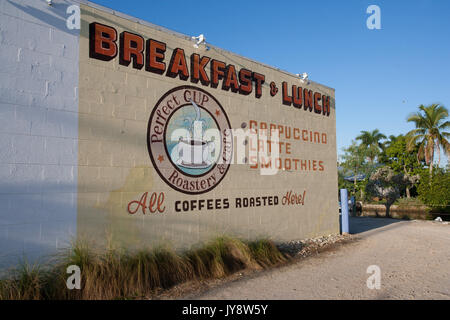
118	274
266	253
26	283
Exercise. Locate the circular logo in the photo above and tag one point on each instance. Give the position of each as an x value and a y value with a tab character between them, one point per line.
189	140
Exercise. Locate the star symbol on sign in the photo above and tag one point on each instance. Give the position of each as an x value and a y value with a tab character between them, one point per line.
161	158
217	112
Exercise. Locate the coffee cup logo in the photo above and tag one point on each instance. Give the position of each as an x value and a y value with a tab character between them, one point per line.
189	140
193	151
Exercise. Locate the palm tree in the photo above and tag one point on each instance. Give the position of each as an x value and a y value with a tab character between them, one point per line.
371	141
430	133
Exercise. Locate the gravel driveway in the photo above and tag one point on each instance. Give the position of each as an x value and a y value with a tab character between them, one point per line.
413	257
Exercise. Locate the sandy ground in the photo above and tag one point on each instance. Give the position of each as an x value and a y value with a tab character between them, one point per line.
413	257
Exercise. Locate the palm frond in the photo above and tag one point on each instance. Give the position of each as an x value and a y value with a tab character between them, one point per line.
445	125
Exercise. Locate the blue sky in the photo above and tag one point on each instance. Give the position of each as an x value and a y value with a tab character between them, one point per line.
380	76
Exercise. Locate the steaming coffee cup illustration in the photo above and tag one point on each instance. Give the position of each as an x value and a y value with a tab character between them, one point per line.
192	147
195	153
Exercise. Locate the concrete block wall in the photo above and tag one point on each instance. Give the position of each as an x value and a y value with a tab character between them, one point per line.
73	143
38	129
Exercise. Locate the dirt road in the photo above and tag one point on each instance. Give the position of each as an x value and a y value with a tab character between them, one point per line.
413	257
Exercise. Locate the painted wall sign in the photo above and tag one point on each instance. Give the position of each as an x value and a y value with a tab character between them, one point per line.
134	136
105	44
181	144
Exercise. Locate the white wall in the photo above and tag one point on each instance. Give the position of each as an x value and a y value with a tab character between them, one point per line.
38	129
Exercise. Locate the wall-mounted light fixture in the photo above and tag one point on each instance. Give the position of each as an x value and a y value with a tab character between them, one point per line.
199	40
303	77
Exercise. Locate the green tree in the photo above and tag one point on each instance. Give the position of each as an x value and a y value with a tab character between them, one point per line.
390	140
371	141
384	183
382	157
435	192
354	163
430	133
400	159
342	183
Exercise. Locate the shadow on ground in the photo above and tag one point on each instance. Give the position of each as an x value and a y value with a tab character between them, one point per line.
363	224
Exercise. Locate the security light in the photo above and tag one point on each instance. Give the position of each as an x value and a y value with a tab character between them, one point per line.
303	76
200	39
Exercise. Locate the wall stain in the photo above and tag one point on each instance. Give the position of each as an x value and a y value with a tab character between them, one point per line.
122	227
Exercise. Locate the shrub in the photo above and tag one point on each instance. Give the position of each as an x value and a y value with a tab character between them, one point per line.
435	192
